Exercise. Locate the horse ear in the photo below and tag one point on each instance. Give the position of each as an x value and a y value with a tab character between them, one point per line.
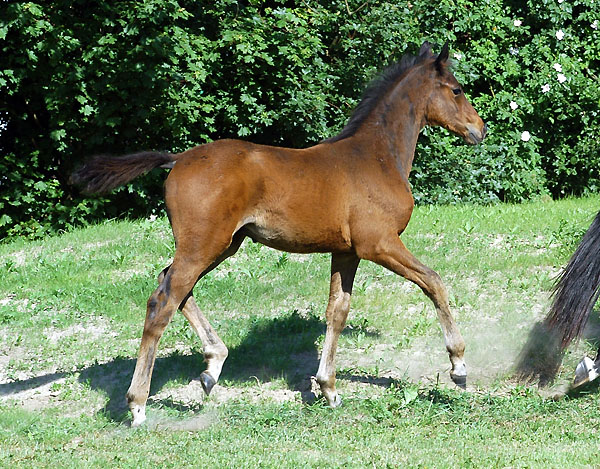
442	58
425	50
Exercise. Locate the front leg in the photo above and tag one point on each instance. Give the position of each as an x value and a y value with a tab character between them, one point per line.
343	269
392	254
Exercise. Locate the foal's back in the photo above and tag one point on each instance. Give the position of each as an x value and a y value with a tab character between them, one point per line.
318	199
289	199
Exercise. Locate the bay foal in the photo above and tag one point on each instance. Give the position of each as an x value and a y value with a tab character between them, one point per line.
348	195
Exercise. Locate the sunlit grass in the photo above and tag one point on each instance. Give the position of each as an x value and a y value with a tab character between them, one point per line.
71	315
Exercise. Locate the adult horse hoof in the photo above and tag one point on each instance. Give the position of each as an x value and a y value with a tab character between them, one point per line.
208	382
460	380
585	372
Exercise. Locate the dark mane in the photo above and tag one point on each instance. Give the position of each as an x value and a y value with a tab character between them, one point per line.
374	91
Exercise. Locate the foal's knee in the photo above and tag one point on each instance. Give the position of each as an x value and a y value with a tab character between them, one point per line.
434	279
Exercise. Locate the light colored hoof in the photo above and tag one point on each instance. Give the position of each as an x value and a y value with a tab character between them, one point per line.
139	415
333	400
336	402
585	372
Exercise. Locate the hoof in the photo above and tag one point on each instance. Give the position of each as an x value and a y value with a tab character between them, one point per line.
460	380
208	382
335	402
584	373
139	415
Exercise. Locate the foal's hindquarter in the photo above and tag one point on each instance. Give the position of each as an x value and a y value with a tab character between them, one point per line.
349	197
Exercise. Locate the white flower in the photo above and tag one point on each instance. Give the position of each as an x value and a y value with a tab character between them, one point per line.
594	25
561	78
545	88
517	23
557	67
513	105
152	218
525	136
560	34
513	50
560	1
457	55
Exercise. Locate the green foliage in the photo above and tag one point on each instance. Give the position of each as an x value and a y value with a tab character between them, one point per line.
521	77
124	76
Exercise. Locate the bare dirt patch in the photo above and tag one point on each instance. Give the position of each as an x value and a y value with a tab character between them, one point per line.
97	329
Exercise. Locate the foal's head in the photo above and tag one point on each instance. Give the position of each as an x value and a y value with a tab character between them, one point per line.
447	105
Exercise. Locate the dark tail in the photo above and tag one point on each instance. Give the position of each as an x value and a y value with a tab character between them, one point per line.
103	173
575	294
578	288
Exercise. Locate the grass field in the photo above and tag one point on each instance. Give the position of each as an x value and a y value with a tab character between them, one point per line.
71	315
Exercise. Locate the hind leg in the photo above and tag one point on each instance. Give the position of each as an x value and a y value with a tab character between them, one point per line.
214	350
176	286
163	303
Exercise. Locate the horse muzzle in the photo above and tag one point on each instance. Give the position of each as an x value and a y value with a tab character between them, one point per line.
474	135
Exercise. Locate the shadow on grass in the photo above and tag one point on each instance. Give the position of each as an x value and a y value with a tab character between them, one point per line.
541	356
438	394
584	390
274	348
366	378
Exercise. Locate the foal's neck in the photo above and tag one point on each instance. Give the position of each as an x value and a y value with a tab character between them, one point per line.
397	120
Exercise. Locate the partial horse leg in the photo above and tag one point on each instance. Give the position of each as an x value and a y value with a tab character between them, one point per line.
214	350
343	269
175	287
392	254
586	371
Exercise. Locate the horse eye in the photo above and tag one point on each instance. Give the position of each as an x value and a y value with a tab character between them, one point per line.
456	91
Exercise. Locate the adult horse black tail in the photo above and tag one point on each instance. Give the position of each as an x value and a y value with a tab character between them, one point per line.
578	288
575	295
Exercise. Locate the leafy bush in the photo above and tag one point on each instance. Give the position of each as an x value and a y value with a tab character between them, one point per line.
124	76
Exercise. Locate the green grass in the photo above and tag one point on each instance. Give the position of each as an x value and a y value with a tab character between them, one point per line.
436	428
71	315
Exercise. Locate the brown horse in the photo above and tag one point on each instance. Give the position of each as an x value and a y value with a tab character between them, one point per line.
348	195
